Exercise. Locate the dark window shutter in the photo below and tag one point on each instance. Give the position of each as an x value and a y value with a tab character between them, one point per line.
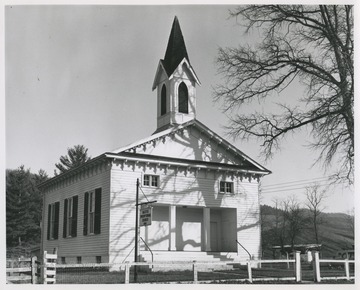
65	217
183	99
86	207
97	225
56	223
49	221
74	217
163	100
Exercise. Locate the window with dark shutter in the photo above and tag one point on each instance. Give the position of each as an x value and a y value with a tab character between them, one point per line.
49	222
65	218
97	225
70	217
92	212
183	99
163	100
74	217
53	221
86	205
56	222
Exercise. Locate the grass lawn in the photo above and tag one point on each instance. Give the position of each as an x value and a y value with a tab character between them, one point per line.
236	276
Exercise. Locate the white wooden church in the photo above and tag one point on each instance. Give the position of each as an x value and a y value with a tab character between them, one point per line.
206	190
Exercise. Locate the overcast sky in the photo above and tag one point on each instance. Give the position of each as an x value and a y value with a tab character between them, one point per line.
83	75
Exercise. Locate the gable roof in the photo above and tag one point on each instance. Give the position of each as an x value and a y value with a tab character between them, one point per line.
131	148
129	153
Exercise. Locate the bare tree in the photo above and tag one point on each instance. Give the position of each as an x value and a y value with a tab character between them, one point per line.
315	197
295	218
312	45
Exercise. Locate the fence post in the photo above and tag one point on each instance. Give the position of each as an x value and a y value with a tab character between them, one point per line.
316	266
195	272
297	266
33	270
49	266
127	272
287	258
43	268
249	271
347	270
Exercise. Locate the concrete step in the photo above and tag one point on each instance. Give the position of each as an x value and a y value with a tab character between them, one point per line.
186	256
185	260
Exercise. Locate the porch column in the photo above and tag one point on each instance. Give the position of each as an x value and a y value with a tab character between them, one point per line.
172	228
206	221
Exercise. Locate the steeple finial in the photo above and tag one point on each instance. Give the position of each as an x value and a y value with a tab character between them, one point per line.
176	49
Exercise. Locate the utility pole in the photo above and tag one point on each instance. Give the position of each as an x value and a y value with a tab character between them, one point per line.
136	229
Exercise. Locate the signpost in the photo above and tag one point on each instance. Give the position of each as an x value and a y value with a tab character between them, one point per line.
145	220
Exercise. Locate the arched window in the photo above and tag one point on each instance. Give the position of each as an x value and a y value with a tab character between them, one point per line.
183	99
163	101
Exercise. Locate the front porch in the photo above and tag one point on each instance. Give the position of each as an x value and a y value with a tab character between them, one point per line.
177	228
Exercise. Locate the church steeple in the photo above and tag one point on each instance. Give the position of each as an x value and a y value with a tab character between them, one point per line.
176	49
175	81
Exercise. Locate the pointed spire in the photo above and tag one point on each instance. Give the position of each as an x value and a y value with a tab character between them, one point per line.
176	49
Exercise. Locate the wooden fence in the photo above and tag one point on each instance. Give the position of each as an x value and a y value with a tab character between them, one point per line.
317	268
27	270
49	268
30	270
247	271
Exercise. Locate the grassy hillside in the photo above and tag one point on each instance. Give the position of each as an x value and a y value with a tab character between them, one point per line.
335	232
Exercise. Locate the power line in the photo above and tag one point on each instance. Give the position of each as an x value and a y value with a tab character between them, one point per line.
272	190
303	180
295	184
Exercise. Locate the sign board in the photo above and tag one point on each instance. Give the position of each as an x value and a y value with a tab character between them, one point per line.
145	216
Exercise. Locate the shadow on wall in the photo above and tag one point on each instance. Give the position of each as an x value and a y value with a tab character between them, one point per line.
202	188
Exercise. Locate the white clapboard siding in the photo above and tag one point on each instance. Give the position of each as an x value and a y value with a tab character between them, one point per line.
191	144
181	187
88	246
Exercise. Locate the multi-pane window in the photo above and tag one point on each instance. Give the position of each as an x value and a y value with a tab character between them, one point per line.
78	259
53	221
151	180
92	212
70	217
226	187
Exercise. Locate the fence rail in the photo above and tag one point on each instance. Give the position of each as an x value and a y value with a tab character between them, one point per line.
317	268
28	274
193	272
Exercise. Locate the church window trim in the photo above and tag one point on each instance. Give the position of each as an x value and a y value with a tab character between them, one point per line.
150	180
183	98
163	101
226	187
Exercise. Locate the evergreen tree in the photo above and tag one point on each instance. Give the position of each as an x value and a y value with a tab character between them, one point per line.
75	157
23	207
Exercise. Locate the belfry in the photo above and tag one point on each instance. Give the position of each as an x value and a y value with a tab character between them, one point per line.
175	82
